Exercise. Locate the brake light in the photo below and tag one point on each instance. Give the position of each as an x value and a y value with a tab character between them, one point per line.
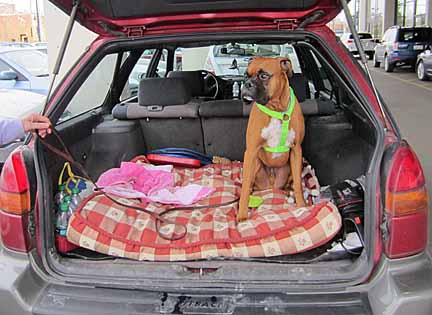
406	205
395	46
349	41
14	203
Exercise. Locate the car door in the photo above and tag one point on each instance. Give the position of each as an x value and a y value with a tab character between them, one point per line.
427	61
380	47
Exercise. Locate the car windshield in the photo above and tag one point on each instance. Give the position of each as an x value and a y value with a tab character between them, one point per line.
247	50
33	61
415	35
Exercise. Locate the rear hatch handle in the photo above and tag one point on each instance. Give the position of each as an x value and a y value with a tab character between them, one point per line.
363	58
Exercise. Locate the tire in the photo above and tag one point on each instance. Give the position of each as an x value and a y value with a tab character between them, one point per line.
421	73
388	67
376	63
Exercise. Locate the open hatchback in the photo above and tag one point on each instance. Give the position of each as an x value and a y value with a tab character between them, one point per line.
167	74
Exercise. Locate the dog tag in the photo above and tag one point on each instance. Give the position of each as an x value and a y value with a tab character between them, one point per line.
255	201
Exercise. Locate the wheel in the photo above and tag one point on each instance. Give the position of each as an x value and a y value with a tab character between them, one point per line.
388	67
421	73
376	63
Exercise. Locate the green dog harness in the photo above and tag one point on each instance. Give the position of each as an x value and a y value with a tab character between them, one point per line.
285	117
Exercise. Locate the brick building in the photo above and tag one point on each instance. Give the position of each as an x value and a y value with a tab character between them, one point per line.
16	26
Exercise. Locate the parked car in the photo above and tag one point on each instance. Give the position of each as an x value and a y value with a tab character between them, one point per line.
348	133
401	45
41	46
24	69
17	104
16	44
366	39
232	59
424	65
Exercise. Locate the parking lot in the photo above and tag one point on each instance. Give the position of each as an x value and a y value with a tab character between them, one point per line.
410	101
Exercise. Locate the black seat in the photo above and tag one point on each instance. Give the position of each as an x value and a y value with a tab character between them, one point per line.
167	115
193	79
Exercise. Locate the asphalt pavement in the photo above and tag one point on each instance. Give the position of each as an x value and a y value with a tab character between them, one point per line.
410	101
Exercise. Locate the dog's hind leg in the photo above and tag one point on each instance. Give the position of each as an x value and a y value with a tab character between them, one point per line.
296	163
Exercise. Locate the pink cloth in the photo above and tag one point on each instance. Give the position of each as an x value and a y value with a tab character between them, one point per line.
150	184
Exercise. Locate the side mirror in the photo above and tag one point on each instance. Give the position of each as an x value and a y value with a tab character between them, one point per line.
377	41
8	75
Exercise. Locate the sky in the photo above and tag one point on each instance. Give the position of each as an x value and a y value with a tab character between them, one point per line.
25	5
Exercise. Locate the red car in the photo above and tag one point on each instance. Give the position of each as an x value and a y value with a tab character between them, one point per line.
349	133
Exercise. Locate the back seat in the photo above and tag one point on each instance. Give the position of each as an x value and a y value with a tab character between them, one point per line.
217	127
165	111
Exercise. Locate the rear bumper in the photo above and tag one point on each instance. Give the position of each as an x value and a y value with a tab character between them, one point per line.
397	287
403	59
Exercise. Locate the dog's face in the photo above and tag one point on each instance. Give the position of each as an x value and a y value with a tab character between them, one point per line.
265	79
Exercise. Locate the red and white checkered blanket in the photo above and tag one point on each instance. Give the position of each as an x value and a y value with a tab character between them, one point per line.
275	228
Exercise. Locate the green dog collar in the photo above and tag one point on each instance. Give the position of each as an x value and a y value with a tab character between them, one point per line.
285	117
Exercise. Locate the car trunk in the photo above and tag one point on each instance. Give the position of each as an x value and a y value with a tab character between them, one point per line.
340	144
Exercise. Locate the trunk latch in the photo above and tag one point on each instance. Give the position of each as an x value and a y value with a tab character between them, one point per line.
286	24
135	31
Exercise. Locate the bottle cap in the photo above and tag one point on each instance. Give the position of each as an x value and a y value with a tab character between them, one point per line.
64	207
62	187
75	191
67	199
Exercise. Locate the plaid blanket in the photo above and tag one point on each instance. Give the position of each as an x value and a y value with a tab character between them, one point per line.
276	227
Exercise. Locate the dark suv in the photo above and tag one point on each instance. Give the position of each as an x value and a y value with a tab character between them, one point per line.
401	45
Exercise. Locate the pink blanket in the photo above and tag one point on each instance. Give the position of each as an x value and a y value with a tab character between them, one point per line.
150	183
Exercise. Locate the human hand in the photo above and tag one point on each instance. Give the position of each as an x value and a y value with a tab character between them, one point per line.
36	122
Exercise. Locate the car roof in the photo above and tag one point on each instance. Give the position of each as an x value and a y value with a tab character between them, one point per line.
8	49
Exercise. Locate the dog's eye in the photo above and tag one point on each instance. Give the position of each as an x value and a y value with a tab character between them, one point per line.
264	76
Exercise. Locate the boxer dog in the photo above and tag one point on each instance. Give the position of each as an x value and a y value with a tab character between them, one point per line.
272	154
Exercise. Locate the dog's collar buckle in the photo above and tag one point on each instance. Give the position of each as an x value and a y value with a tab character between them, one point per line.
285	117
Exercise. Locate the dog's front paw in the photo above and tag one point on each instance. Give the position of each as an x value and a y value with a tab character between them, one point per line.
242	217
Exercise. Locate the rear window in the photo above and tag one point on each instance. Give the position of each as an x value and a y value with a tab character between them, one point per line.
415	35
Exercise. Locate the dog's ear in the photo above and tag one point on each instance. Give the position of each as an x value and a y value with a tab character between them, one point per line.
286	66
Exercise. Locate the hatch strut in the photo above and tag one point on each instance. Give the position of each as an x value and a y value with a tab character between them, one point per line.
61	53
363	57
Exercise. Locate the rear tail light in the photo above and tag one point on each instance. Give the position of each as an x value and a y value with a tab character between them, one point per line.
349	41
406	205
395	46
15	203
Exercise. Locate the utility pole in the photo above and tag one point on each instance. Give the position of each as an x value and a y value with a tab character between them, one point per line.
38	27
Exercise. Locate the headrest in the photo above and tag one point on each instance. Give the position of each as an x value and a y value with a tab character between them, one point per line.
298	84
194	80
163	92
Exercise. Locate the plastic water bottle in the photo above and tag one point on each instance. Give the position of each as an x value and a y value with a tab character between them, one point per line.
61	193
68	201
76	198
62	219
236	90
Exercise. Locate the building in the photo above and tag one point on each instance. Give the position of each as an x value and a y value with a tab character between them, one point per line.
17	26
376	16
